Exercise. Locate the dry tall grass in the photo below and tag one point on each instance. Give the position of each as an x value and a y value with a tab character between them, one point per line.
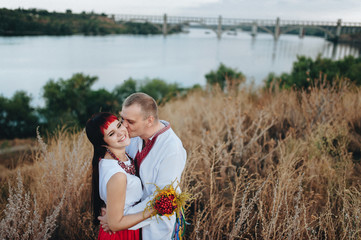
52	194
261	165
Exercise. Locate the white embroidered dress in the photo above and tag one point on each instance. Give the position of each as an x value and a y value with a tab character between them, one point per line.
109	167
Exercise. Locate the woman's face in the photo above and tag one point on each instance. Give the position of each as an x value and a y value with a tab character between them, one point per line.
116	135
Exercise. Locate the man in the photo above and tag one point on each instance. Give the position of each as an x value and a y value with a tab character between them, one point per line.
159	155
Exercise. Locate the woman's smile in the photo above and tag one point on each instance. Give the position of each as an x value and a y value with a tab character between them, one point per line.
122	138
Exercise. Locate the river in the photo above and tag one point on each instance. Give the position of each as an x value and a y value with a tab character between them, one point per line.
27	63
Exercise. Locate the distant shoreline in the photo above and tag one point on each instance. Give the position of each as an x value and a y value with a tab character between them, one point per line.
35	22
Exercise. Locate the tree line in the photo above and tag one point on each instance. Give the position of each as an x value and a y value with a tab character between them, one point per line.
70	102
21	22
307	72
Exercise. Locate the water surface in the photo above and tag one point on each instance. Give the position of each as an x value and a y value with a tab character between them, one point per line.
27	63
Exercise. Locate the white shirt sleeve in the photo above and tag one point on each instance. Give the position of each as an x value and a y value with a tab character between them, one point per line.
170	169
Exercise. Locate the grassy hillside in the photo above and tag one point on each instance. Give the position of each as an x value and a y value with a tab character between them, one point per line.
22	22
260	165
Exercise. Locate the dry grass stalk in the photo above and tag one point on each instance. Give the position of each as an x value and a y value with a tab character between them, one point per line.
22	218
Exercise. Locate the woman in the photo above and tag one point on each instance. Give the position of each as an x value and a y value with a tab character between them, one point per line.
113	179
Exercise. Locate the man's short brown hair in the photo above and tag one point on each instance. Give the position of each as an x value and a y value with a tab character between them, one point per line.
147	104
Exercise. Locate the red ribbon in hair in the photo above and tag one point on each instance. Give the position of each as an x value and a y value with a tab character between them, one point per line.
108	121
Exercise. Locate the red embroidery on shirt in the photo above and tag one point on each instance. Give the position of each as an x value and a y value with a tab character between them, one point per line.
139	157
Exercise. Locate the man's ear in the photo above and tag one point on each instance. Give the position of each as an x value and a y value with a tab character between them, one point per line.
150	121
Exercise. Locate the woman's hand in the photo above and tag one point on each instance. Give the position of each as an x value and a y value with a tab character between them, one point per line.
104	221
148	213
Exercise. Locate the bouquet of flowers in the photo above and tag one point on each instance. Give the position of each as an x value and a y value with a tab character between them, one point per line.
168	201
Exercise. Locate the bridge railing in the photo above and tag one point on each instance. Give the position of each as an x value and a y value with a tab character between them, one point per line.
149	18
276	27
227	21
182	19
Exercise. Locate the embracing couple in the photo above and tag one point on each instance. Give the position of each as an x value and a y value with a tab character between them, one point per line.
132	155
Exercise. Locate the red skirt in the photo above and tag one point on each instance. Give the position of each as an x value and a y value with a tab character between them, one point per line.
120	235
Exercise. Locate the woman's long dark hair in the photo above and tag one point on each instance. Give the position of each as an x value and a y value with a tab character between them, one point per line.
94	131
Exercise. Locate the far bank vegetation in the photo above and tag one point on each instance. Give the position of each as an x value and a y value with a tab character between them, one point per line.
28	22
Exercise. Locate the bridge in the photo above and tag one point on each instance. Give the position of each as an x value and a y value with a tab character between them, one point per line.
332	30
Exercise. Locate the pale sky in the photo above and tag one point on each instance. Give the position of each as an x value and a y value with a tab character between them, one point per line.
330	10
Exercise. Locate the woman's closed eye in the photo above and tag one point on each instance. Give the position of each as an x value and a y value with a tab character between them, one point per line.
112	132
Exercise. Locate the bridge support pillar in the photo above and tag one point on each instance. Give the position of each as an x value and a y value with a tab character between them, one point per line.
277	29
164	29
301	33
219	28
254	29
338	30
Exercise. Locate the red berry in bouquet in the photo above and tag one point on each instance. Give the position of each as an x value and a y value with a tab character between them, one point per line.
168	201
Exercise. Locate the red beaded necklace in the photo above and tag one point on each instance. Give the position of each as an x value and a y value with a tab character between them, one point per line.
127	168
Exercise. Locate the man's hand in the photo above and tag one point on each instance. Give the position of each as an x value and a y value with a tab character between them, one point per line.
104	221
